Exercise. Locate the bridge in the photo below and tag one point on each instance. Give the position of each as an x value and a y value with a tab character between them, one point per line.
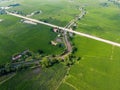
66	29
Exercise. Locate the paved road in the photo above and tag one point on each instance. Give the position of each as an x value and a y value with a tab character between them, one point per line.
68	30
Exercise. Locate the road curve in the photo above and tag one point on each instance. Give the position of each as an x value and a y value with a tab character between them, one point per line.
68	30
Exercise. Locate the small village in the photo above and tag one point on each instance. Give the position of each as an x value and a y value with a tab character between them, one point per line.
31	59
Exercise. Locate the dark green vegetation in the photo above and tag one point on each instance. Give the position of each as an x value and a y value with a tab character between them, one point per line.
99	67
36	79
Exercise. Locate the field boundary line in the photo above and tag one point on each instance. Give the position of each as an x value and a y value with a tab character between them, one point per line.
7	79
112	52
70	85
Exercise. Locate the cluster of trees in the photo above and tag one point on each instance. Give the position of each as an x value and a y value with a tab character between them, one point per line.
44	61
116	2
104	4
48	62
71	59
74	49
13	66
2	12
29	55
9	68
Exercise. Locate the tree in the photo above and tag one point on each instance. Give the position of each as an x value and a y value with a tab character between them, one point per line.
45	21
54	61
78	58
53	55
37	56
74	49
68	61
7	67
40	51
45	62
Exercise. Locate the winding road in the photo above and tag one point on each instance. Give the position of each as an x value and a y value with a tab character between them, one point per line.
65	29
68	26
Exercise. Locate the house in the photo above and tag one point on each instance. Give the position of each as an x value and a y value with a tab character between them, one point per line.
71	34
29	22
1	20
14	5
2	12
4	8
37	12
75	25
20	55
55	29
16	57
25	52
34	13
59	35
54	43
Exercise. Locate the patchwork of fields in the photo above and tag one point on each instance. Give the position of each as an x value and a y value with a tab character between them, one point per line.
99	67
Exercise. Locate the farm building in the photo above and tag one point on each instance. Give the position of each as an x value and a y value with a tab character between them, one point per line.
54	43
55	29
4	8
1	20
16	57
25	52
29	22
2	12
14	5
20	55
34	13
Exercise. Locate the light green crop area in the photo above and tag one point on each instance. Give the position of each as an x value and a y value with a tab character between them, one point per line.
99	66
